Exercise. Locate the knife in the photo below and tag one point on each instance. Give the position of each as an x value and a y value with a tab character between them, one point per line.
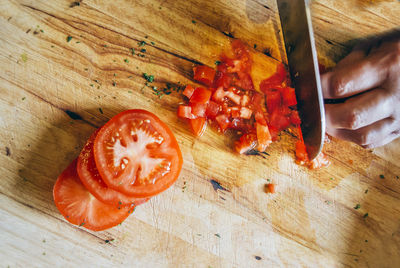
303	65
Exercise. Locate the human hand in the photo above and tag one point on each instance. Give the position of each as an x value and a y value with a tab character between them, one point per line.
368	80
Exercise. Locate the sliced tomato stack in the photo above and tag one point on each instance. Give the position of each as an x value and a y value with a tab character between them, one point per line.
231	102
131	158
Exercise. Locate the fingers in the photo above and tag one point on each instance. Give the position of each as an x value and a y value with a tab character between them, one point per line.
371	135
360	111
392	136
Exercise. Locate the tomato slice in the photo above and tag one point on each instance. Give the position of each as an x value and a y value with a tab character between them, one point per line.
91	179
80	207
198	126
137	154
204	74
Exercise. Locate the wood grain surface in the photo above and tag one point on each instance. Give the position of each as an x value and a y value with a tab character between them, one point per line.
54	93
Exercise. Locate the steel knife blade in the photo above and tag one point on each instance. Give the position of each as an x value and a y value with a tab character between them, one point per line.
303	65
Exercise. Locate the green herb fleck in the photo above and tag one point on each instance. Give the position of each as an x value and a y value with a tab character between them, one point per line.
382	176
365	215
115	75
69	38
141	55
152	43
397	177
366	241
130	76
217	235
109	240
77	42
331	179
101	110
132	51
86	69
44	253
91	85
255	46
217	62
143	50
130	91
142	43
114	83
44	240
52	46
104	45
83	223
357	206
149	78
41	30
23	98
126	60
146	36
119	202
193	21
24	57
366	191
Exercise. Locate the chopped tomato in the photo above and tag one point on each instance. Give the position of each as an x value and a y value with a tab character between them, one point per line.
233	96
204	74
270	188
279	120
223	121
80	207
219	94
245	113
201	95
198	126
245	100
274	80
185	112
244	81
222	80
263	137
259	117
274	132
91	179
199	109
240	124
246	143
273	100
137	154
301	152
289	96
188	92
212	109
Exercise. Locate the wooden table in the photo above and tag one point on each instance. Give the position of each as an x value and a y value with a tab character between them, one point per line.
54	93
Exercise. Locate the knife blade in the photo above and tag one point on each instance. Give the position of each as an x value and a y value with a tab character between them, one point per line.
303	65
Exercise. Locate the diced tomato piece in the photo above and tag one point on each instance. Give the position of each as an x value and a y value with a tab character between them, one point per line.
289	96
201	95
226	62
279	120
212	109
223	121
246	143
222	67
199	109
188	92
239	48
301	152
233	97
222	80
204	74
295	118
235	111
237	67
244	81
257	101
270	188
245	100
185	112
198	126
219	94
318	162
274	132
273	99
274	80
245	113
263	137
240	124
259	117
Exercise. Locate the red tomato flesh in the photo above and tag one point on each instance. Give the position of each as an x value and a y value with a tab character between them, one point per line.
80	207
201	95
137	154
204	74
198	126
91	179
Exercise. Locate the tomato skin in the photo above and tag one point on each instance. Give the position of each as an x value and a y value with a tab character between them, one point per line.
273	100
81	208
188	92
126	177
223	121
201	95
279	120
289	96
301	152
204	74
198	126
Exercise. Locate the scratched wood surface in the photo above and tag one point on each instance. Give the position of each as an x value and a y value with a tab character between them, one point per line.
54	93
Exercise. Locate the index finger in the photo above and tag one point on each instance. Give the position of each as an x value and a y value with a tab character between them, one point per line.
354	78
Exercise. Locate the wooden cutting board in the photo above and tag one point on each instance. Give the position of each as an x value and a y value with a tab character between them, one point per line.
54	93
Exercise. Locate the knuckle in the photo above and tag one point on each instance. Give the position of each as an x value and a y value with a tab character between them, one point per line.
339	86
353	120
